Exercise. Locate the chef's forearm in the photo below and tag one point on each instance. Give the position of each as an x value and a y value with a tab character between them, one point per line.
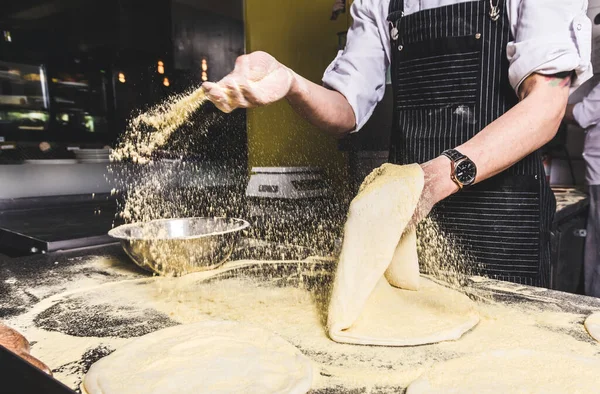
327	109
528	126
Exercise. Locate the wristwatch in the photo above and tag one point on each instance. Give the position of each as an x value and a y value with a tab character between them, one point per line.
464	170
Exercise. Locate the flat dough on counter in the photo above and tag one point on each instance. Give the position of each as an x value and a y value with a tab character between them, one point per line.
511	371
592	325
396	317
378	297
206	357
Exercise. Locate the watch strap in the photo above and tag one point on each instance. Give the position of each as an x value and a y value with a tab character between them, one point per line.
453	155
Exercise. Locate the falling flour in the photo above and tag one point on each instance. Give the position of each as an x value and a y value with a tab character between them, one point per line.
151	175
152	129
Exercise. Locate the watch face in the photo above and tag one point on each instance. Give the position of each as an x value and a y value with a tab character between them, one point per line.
465	172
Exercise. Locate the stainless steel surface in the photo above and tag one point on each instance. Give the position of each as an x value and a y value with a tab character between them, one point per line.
284	170
180	246
93	155
51	161
287	183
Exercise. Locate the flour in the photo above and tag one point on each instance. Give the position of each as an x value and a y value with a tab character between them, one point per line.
151	130
441	257
291	300
511	371
149	175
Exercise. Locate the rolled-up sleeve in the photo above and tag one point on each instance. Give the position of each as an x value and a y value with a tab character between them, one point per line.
587	112
552	36
359	71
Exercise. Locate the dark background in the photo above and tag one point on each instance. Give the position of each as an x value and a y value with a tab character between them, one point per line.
95	40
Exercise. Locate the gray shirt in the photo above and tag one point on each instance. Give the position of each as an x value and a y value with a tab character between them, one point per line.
587	114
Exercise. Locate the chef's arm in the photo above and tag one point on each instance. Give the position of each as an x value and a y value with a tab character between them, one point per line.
258	79
526	127
327	109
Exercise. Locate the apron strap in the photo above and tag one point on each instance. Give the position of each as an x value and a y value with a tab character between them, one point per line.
396	5
396	9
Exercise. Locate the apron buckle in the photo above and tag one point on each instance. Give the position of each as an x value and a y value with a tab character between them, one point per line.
394	32
494	11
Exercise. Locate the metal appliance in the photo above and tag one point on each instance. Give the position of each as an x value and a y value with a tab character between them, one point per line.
48	224
292	205
287	183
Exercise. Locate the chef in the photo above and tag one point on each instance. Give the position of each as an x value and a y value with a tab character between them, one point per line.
587	115
479	87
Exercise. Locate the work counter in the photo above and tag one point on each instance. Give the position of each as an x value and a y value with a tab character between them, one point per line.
73	335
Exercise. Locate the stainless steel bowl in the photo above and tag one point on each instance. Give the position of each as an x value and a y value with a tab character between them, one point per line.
180	246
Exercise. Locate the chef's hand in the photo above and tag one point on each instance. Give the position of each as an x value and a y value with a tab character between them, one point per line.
438	186
258	79
17	344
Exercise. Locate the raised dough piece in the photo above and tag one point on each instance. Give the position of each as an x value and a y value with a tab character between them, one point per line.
403	271
592	325
511	371
207	357
364	307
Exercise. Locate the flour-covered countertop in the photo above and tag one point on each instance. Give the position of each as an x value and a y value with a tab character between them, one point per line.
55	301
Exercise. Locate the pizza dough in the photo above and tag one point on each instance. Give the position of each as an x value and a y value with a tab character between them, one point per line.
377	254
397	317
592	325
511	371
207	357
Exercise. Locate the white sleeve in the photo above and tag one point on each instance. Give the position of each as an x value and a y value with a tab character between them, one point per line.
359	71
587	112
552	36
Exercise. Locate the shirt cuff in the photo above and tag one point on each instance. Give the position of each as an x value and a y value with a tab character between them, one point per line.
549	56
342	77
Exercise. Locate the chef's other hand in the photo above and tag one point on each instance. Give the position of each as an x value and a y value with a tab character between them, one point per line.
17	344
258	79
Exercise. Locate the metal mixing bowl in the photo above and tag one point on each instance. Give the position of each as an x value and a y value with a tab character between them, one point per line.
180	246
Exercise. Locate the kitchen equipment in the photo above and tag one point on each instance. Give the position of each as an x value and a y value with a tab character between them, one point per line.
92	155
48	224
292	206
568	240
17	375
286	183
285	193
180	246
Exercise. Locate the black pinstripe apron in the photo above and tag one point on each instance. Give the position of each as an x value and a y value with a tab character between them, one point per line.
450	78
